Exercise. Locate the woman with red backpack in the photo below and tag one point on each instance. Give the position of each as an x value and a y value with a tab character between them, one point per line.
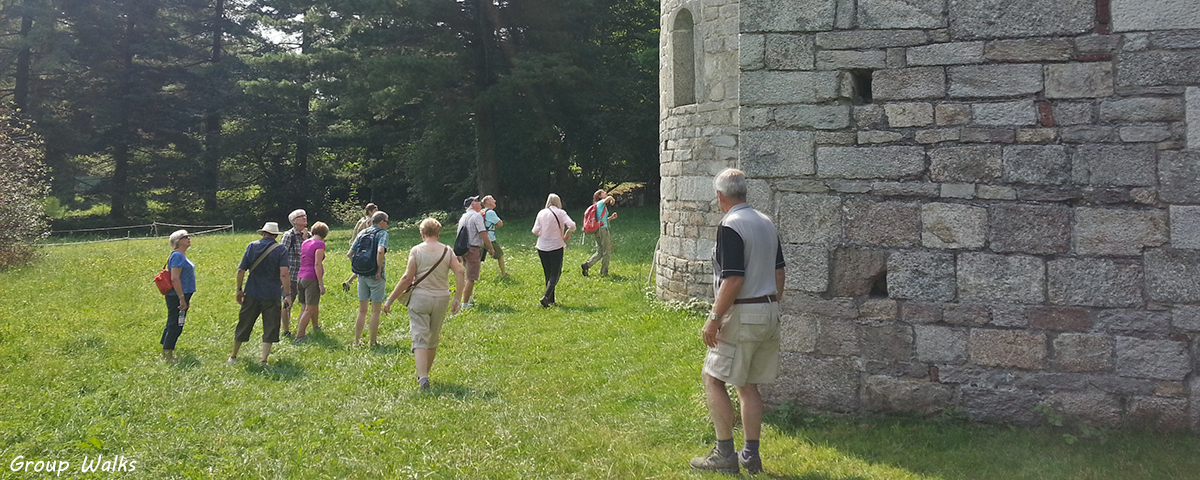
595	222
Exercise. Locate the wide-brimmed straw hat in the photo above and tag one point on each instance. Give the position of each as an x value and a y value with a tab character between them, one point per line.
271	228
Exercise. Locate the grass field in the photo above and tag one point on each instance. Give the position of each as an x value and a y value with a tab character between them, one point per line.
604	386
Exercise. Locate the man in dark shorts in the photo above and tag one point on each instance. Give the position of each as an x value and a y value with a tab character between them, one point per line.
267	264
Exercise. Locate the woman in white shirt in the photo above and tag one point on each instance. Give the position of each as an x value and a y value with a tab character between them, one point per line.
553	227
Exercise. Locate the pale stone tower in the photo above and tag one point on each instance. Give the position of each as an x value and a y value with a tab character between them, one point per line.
988	205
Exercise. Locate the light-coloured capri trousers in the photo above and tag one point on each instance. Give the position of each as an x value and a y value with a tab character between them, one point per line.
426	314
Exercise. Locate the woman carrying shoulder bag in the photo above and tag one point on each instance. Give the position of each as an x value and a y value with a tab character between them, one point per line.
179	299
429	264
553	227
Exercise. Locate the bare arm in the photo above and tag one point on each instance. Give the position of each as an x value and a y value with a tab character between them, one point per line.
241	276
319	266
779	281
457	268
285	278
178	286
379	257
410	274
487	241
730	287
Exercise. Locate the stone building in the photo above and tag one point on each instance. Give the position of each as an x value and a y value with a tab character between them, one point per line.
986	205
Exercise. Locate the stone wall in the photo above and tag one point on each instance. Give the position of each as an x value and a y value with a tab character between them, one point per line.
1009	217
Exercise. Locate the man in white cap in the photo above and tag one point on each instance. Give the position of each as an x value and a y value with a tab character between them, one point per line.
293	240
472	219
264	272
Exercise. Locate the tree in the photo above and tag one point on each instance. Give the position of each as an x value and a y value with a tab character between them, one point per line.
22	188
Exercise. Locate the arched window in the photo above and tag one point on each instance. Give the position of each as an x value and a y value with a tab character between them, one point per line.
683	59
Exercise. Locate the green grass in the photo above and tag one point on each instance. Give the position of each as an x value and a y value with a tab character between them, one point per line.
605	386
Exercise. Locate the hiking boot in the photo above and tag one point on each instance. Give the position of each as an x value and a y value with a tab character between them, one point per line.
716	463
753	463
584	267
303	339
423	384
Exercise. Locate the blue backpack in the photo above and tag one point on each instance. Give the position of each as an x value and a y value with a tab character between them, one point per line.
364	259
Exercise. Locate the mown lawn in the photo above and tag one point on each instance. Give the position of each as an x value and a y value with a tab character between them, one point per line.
604	386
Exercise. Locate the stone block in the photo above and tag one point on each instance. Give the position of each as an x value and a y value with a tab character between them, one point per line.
1007	348
882	224
1072	113
823	117
861	39
1060	318
1134	323
953	226
1022	112
753	118
803	303
958	190
835	138
974	164
887	394
879	310
992	192
1157	68
902	115
818	383
1096	409
921	313
927	276
1089	134
939	344
987	277
810	219
855	271
890	162
1029	50
1144	133
1192	107
1185	226
905	189
777	153
952	113
870	116
1186	317
1036	164
884	14
1173	275
965	314
797	333
851	59
939	135
1114	165
1079	80
808	268
1142	15
908	83
1083	352
845	14
972	19
869	137
890	342
995	405
837	337
1032	229
1101	231
1162	414
1173	40
751	51
1154	359
1094	282
797	16
788	52
958	53
1142	110
778	88
1179	176
1001	80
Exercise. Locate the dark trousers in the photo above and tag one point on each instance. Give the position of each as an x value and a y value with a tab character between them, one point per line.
552	268
173	329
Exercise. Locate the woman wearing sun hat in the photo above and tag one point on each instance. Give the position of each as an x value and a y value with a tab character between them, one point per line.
179	299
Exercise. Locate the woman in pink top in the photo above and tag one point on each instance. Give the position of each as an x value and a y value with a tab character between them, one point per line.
553	227
312	279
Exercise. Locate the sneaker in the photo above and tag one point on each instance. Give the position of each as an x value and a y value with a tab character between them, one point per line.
286	334
716	463
584	267
303	339
753	464
316	328
231	361
423	383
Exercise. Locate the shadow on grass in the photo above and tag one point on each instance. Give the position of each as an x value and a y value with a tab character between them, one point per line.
579	308
282	370
454	390
489	308
186	361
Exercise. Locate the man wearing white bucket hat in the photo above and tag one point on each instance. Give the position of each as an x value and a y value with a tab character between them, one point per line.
264	270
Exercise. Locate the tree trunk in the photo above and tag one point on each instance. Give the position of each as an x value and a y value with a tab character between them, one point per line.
485	124
22	75
212	124
303	142
119	188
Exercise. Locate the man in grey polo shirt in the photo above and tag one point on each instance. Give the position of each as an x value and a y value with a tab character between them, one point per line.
742	331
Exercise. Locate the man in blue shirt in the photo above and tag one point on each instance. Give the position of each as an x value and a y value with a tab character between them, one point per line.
264	272
372	288
490	221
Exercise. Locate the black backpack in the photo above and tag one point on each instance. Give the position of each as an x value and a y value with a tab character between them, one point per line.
462	242
364	259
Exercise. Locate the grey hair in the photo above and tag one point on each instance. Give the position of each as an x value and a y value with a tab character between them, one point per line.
553	199
295	214
176	236
731	182
379	216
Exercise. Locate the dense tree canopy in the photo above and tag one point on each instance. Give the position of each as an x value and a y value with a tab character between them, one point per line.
236	108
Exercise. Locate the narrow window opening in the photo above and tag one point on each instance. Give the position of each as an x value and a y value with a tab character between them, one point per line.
879	288
861	82
683	59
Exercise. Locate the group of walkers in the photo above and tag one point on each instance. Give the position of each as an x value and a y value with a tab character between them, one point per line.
274	275
742	330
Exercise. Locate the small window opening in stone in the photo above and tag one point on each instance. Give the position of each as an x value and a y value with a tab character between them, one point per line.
879	287
860	80
683	59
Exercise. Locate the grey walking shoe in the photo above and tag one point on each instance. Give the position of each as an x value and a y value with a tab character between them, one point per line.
423	384
753	464
716	463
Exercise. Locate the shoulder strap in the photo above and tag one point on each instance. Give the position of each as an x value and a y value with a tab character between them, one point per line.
261	257
439	262
559	220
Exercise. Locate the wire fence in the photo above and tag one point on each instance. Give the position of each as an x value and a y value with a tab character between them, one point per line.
150	230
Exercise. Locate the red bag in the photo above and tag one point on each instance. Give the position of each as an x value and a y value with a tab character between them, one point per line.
163	281
591	219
